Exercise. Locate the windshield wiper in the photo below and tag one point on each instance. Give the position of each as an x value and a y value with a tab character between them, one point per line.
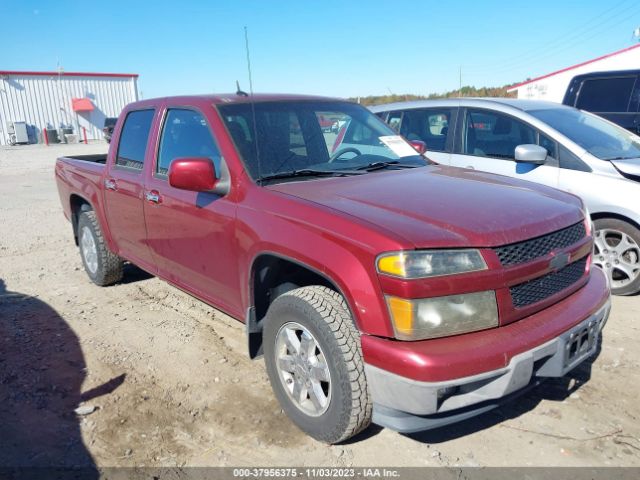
622	158
308	172
380	165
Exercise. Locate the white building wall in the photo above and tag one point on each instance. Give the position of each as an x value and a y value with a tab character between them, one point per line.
45	101
553	87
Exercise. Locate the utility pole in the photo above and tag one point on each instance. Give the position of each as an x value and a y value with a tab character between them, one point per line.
460	76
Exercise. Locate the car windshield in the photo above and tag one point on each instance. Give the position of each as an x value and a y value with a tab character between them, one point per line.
597	136
311	139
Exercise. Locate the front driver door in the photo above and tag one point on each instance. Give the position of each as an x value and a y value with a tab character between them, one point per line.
488	140
192	234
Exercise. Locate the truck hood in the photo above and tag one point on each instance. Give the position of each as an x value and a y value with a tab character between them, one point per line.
440	206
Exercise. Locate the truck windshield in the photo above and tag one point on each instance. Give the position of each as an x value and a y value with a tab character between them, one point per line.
598	137
314	136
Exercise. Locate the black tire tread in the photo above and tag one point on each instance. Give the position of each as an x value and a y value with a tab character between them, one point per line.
110	267
334	310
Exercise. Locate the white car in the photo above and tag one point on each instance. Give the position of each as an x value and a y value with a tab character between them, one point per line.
546	143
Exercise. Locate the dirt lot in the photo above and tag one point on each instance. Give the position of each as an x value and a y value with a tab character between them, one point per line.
173	385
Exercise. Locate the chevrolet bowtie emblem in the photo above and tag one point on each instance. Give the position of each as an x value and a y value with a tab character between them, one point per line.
559	261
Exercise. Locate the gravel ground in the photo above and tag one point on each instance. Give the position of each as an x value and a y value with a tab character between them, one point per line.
169	382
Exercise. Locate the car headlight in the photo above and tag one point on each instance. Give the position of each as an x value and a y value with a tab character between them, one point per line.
442	316
429	263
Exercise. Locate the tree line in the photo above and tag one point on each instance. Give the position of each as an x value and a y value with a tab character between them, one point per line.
467	91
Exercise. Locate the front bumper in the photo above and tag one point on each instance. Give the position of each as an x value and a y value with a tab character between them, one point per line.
408	405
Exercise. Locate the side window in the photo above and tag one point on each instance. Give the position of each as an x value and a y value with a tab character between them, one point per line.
394	120
569	161
382	116
428	125
549	144
185	133
133	139
606	94
493	134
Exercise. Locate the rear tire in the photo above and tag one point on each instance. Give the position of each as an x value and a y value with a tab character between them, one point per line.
314	361
102	266
617	252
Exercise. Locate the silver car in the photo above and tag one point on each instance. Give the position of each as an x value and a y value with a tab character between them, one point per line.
547	143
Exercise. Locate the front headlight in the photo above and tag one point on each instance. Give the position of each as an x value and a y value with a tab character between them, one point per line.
441	316
429	263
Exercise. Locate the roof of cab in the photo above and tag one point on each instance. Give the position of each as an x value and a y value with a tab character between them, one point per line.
524	105
230	98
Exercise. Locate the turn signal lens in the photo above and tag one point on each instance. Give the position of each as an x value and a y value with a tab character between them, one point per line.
402	314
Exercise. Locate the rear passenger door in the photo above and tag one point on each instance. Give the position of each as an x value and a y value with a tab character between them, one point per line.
123	188
487	141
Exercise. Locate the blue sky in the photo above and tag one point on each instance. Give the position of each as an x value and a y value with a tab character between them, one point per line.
329	47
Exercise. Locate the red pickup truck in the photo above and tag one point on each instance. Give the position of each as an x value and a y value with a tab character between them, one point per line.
377	285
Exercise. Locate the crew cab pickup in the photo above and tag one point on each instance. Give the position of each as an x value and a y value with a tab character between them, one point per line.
377	285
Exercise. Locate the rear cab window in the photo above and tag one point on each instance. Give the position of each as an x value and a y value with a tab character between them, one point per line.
133	139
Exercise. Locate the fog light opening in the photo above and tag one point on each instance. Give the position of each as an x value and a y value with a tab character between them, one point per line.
445	393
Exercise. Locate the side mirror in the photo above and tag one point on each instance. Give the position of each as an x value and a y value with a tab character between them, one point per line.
419	146
530	153
197	174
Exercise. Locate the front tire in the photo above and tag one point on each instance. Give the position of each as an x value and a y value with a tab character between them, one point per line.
314	362
617	252
102	266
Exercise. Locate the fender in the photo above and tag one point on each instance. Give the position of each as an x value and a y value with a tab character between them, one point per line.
254	325
85	182
350	270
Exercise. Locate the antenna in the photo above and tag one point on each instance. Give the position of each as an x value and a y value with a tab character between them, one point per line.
253	106
239	91
246	43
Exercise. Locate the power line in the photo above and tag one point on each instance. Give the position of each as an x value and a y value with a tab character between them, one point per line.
567	41
537	59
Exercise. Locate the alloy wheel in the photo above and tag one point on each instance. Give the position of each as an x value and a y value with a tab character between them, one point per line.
303	369
89	250
618	255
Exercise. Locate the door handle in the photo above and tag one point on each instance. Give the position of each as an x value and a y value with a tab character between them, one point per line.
153	196
110	184
470	167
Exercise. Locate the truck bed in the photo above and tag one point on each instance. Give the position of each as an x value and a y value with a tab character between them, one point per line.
80	175
94	158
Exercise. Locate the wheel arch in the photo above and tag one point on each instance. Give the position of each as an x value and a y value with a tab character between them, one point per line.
272	274
77	204
617	216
